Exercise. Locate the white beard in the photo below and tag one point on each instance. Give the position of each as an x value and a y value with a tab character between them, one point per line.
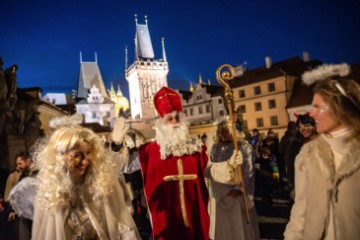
175	139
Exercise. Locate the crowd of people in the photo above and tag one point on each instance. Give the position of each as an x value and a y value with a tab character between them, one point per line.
73	186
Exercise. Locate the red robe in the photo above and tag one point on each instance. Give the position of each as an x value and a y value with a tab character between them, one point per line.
163	195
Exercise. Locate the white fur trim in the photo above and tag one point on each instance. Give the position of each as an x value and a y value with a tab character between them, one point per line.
220	119
22	197
66	121
325	71
126	233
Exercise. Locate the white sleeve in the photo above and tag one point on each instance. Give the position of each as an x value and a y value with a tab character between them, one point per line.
220	172
295	228
134	163
22	197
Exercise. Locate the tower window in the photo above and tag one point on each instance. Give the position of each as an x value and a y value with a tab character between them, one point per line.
273	120
271	87
259	122
241	93
242	108
258	106
207	108
272	104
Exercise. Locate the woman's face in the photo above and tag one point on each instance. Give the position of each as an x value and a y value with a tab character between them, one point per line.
78	158
321	112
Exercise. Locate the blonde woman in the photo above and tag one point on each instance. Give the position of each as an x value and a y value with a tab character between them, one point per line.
327	169
78	195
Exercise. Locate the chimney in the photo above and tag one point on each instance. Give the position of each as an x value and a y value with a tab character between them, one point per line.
268	61
306	56
239	70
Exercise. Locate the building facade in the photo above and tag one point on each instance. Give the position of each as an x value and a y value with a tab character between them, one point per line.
204	105
97	109
262	95
121	102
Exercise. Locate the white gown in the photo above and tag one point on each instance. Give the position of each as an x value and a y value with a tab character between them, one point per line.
227	214
109	218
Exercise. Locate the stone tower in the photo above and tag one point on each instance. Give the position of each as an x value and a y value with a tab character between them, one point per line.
146	75
90	76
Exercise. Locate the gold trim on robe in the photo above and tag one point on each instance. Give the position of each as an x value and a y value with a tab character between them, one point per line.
181	177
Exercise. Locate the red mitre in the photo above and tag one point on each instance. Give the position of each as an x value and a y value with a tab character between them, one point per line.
166	101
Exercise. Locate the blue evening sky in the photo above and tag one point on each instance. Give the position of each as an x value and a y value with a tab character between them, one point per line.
44	37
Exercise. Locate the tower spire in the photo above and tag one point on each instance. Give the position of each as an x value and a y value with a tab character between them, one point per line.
136	48
80	57
119	92
163	49
96	58
200	79
146	20
112	93
136	19
191	87
126	57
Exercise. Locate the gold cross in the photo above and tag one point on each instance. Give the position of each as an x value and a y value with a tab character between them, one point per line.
181	178
170	94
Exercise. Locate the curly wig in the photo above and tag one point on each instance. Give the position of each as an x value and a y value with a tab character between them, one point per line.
55	184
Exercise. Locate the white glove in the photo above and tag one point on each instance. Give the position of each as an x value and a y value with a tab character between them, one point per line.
236	158
222	173
119	130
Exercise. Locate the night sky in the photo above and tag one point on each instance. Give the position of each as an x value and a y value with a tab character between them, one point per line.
44	38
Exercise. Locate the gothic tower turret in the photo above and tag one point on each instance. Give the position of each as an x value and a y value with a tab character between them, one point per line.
146	75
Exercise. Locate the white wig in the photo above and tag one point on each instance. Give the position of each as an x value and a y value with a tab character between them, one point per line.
55	184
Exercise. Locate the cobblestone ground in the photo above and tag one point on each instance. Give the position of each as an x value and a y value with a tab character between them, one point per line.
273	218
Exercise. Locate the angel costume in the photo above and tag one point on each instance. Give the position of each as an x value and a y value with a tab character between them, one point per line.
87	204
84	218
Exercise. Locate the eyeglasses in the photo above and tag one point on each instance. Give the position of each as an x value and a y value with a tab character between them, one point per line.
78	157
320	109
